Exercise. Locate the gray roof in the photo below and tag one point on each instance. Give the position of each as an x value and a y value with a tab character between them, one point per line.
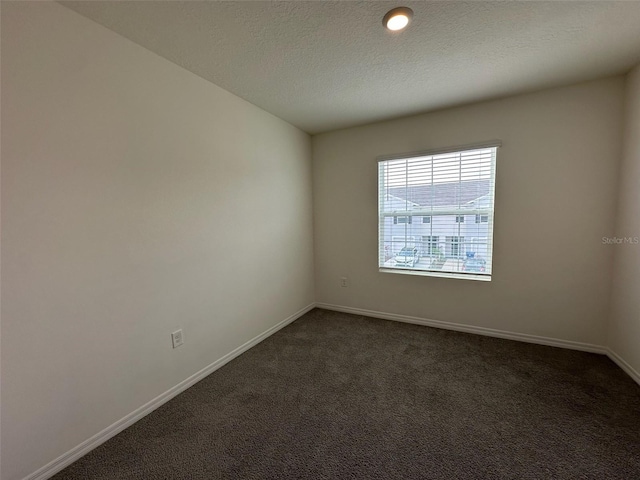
443	194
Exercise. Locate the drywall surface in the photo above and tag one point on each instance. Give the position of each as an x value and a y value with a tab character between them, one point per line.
137	198
555	200
624	330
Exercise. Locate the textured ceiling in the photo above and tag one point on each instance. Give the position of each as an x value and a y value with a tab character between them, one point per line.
323	65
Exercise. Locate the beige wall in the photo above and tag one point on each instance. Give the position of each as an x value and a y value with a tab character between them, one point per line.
136	198
555	200
624	331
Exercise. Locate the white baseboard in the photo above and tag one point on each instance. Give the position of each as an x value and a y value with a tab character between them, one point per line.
85	447
459	327
624	365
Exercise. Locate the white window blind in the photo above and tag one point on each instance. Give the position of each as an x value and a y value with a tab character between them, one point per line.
446	186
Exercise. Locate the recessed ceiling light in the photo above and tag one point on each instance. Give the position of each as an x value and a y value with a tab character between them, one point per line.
397	19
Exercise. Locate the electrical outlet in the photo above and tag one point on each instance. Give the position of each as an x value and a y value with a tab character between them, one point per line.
343	282
177	339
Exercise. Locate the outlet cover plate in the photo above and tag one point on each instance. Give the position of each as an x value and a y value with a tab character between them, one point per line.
176	338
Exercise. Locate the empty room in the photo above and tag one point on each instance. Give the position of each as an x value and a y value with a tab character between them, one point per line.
320	240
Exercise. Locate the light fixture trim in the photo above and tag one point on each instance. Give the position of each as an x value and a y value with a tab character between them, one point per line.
397	18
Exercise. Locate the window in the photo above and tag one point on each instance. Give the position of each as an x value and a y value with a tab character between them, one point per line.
397	220
443	187
430	244
455	246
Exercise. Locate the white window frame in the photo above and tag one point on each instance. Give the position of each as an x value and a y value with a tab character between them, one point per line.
484	211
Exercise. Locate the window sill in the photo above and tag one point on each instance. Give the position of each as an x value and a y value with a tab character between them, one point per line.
423	273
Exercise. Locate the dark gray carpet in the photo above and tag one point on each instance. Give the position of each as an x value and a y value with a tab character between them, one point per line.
344	396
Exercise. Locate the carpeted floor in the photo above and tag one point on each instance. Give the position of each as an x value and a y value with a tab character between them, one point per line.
337	396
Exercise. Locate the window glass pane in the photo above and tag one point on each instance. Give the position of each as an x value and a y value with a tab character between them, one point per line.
452	196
